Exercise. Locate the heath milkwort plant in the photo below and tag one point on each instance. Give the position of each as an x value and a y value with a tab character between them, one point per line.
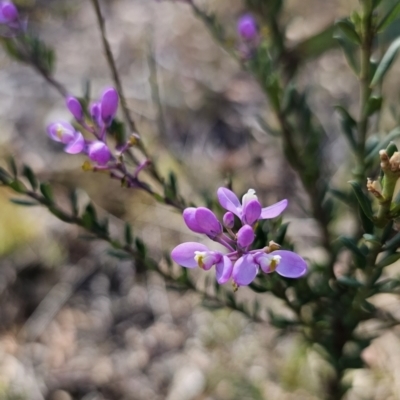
241	263
96	121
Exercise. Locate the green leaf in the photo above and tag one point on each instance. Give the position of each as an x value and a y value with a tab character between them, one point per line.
26	203
349	31
390	259
47	192
349	281
395	133
17	186
350	52
120	254
141	248
391	149
258	288
128	234
316	45
373	105
13	167
352	246
386	62
29	174
280	235
89	217
363	200
349	126
390	17
393	243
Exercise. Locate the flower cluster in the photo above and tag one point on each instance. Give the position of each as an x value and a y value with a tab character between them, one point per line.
96	121
241	263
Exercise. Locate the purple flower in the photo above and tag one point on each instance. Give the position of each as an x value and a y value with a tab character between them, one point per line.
241	263
109	105
286	263
192	254
250	210
8	12
247	27
74	107
65	133
99	152
95	113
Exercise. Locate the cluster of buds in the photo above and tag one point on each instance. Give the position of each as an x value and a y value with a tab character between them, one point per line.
9	16
96	121
241	263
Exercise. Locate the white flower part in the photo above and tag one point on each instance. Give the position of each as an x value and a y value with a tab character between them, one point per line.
268	263
250	195
199	257
275	260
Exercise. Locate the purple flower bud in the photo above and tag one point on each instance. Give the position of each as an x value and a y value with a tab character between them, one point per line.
99	152
8	12
189	216
109	105
95	113
229	220
74	107
208	222
245	236
247	27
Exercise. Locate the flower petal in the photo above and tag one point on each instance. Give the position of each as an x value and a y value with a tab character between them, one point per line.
77	145
207	221
109	105
244	270
251	212
291	264
229	201
61	131
274	210
183	254
223	270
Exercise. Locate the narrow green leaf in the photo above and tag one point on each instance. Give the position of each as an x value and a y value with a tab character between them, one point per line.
349	125
352	246
390	17
47	192
395	133
386	62
350	52
141	248
22	202
257	288
73	197
391	149
13	167
349	281
17	186
128	234
392	258
363	200
349	31
29	174
120	254
393	243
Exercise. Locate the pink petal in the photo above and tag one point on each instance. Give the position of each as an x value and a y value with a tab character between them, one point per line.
77	145
251	212
274	210
229	201
223	270
291	264
244	270
183	254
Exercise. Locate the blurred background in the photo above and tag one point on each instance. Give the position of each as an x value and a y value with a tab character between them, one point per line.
78	324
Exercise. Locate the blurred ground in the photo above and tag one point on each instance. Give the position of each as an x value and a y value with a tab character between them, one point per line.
76	324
